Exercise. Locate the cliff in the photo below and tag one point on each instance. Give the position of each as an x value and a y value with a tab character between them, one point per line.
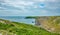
50	23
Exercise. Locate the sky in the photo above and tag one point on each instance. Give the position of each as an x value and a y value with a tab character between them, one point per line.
29	7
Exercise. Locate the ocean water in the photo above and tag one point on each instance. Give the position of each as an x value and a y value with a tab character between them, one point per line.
21	19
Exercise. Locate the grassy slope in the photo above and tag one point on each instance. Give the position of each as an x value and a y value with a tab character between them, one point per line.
22	29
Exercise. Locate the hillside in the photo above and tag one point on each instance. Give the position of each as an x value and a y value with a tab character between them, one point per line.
15	28
50	23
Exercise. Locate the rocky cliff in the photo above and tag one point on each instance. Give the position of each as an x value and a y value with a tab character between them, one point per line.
50	23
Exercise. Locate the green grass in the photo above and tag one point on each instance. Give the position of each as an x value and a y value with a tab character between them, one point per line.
13	28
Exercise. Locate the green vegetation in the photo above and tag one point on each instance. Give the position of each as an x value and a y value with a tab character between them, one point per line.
31	17
15	28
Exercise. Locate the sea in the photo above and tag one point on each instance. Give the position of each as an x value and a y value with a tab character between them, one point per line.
21	19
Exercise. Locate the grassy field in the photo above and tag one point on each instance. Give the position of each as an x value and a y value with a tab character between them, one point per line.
15	28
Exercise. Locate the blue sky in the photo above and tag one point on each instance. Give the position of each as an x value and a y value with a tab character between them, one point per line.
29	7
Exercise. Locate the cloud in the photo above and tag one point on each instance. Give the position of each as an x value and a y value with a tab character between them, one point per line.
18	2
47	0
29	7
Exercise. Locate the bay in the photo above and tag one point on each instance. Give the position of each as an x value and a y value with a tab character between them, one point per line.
21	19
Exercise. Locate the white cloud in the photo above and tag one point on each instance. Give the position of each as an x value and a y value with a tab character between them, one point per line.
44	11
28	7
47	0
51	0
35	6
52	8
42	0
18	2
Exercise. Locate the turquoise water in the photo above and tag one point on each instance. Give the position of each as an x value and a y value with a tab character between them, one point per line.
21	19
